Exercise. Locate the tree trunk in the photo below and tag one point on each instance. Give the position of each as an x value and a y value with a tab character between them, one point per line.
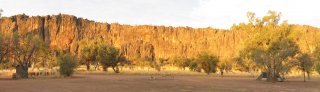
22	71
105	68
32	66
283	76
221	72
308	73
271	69
115	69
274	78
304	76
96	66
88	66
269	75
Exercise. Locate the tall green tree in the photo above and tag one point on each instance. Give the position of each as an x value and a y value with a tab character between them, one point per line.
25	48
305	64
44	55
268	44
89	55
109	56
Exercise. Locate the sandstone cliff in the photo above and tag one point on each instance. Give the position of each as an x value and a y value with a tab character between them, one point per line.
144	41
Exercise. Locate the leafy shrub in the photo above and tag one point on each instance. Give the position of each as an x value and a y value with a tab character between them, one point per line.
109	56
208	63
67	64
193	66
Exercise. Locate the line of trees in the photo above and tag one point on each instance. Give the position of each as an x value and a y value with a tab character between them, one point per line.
108	56
102	54
29	50
23	51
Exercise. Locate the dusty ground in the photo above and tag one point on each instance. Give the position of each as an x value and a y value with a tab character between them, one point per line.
143	83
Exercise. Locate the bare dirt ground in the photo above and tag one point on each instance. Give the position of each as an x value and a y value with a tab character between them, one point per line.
143	83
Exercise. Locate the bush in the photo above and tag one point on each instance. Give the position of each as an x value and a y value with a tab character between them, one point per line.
208	63
181	62
109	56
193	66
67	65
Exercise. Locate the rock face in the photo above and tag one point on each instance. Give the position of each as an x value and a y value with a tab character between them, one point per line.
144	41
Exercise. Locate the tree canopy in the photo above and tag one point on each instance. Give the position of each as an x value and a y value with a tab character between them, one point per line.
269	45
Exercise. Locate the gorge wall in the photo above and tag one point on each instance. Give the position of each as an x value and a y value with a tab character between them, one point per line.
145	41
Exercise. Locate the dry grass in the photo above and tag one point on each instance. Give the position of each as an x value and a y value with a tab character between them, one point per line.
150	71
139	80
142	83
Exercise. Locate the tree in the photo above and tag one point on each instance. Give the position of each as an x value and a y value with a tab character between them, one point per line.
26	47
109	56
181	62
244	61
44	56
225	65
268	44
280	52
89	55
207	62
193	66
305	64
274	58
4	51
186	62
67	64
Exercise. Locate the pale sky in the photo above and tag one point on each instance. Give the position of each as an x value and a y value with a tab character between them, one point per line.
193	13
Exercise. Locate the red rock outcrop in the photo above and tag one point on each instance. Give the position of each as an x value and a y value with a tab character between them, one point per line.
150	42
